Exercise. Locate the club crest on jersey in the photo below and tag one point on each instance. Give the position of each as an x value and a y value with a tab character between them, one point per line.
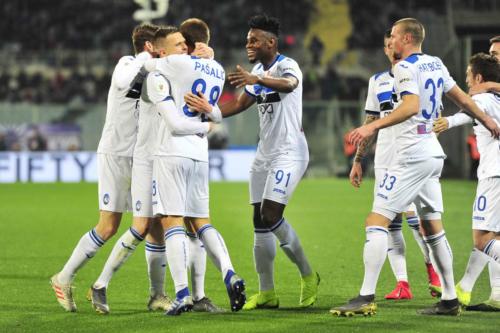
138	205
105	199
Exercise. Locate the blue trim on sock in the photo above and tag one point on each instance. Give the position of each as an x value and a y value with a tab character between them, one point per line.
434	238
182	293
488	246
377	229
228	276
174	231
202	230
278	224
95	237
136	234
154	248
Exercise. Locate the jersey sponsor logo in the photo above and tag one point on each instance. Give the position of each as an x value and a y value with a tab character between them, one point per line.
279	190
384	84
405	79
105	199
273	97
478	218
138	205
265	108
382	196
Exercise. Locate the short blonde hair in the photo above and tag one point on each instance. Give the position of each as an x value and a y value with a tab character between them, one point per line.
413	27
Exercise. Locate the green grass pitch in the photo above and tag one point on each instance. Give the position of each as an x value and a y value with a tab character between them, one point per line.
41	223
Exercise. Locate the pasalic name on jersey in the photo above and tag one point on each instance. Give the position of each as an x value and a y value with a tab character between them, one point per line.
205	68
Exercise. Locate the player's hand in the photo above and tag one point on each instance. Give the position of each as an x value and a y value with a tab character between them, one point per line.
492	126
202	50
198	103
440	125
241	77
356	175
360	134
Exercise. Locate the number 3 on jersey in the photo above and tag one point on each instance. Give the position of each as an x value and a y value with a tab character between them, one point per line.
390	184
201	86
432	98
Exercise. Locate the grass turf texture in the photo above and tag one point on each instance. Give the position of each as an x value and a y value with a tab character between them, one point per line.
41	223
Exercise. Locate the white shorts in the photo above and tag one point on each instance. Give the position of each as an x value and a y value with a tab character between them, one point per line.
486	209
180	187
275	180
379	177
142	176
404	183
114	176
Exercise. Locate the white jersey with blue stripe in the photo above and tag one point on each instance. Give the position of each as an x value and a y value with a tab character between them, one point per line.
488	146
120	128
187	74
428	78
280	114
379	103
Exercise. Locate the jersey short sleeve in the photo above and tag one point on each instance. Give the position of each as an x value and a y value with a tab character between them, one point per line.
372	104
289	67
405	79
157	88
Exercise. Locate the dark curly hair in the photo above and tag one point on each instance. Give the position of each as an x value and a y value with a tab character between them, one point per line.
265	23
486	65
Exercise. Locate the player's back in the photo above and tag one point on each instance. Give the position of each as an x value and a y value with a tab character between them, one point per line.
488	146
119	131
428	78
189	74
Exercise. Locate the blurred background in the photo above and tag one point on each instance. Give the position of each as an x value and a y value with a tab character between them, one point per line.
58	57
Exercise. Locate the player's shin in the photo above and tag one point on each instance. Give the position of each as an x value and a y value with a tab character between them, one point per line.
264	252
442	258
177	249
86	248
396	250
216	249
290	244
476	264
374	255
197	266
122	250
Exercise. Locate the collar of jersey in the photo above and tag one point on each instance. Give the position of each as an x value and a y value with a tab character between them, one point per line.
272	64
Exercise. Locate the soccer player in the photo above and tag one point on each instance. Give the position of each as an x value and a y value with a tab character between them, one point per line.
486	212
419	82
379	104
114	156
166	41
275	84
180	171
489	86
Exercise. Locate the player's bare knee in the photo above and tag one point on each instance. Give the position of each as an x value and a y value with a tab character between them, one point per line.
141	225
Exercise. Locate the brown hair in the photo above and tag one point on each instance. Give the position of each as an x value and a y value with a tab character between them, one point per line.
495	39
486	65
414	28
162	32
195	30
143	33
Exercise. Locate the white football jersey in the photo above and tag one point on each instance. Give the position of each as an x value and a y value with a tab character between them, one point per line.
379	103
120	128
280	114
155	89
188	74
428	78
488	146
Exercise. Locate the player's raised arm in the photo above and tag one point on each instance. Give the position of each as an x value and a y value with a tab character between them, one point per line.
241	77
465	102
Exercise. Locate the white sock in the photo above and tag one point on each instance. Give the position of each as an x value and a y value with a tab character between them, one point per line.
86	248
374	255
122	250
493	250
442	260
177	248
290	244
494	280
216	248
197	266
476	264
264	252
396	251
413	222
156	259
